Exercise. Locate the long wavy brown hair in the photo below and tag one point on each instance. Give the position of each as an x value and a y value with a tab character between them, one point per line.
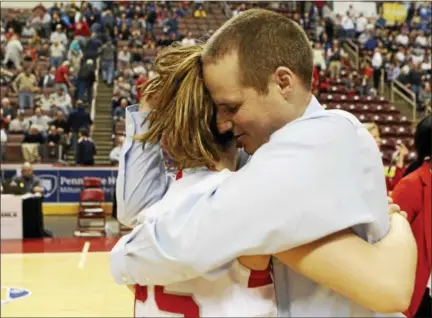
184	115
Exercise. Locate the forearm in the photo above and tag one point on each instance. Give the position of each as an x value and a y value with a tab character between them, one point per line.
142	179
359	271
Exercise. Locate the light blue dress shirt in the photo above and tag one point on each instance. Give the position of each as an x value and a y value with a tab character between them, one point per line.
317	175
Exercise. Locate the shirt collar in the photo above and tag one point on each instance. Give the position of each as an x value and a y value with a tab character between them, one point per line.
313	106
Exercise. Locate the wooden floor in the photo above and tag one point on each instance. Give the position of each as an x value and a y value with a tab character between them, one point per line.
73	284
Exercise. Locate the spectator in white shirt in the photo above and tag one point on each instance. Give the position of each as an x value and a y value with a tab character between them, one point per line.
59	36
426	65
400	55
188	40
62	101
417	57
318	56
421	39
28	31
19	124
402	39
377	62
14	52
45	101
348	26
124	58
361	24
114	155
40	121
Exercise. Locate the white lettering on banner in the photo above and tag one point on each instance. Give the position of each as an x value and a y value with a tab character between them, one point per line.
11	217
108	181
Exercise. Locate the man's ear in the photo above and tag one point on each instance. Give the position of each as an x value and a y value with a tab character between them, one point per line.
284	77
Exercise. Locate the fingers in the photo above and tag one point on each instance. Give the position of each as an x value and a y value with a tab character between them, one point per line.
389	200
394	208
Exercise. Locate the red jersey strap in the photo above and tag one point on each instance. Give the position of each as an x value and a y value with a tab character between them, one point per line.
179	174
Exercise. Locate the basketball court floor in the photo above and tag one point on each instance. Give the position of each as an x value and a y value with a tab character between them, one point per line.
67	277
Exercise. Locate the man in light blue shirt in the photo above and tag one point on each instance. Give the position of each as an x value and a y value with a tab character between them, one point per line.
313	173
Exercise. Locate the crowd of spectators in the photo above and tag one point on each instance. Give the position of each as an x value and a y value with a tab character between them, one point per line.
48	58
400	50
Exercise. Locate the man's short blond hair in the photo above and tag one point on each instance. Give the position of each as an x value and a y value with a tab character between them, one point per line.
264	40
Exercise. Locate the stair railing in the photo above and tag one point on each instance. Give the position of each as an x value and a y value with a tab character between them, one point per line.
95	89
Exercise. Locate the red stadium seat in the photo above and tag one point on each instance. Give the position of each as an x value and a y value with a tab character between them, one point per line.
92	182
90	209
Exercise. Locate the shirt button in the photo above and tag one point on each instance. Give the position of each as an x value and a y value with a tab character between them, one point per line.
124	279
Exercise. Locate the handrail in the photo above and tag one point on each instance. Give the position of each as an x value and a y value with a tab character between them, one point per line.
95	87
406	94
354	49
226	9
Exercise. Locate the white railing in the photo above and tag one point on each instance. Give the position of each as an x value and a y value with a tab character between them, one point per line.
402	91
226	9
95	87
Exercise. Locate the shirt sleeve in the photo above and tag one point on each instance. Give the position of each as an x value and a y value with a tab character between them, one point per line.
142	179
300	186
406	196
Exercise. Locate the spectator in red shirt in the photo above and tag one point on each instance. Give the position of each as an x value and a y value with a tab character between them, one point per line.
81	28
62	76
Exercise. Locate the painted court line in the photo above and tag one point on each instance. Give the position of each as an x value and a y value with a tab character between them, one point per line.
83	257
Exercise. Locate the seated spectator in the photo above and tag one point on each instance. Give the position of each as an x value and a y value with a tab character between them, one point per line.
28	30
57	52
40	121
25	84
61	101
20	124
188	40
123	58
402	39
393	71
7	110
122	87
86	78
120	112
426	97
86	149
53	141
31	183
114	155
59	122
319	56
200	12
13	52
59	36
30	145
81	28
45	101
30	53
48	80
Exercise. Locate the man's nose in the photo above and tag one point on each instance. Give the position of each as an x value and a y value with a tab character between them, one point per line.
224	127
